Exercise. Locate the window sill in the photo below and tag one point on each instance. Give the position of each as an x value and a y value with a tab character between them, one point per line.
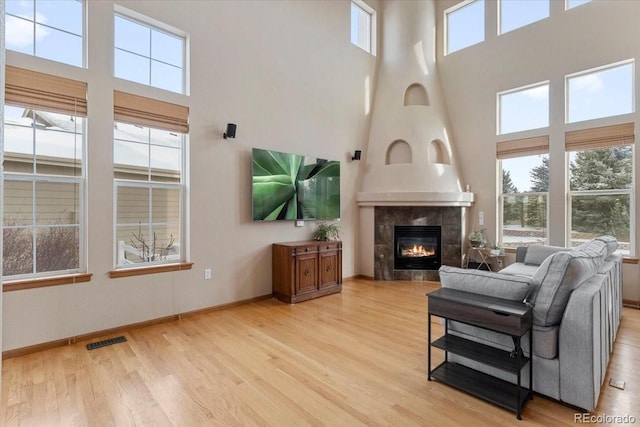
18	285
138	271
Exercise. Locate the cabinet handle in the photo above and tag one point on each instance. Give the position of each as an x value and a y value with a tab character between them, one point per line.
307	272
328	268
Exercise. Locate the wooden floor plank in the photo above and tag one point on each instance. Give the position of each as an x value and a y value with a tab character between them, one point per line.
353	358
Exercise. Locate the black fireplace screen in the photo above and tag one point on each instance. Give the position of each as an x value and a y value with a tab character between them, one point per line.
417	247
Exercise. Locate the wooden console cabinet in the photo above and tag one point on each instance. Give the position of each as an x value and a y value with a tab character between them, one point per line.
306	269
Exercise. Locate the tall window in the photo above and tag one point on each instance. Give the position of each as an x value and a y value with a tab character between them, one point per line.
524	190
47	29
601	183
603	92
43	223
149	182
523	108
518	13
363	26
464	25
149	55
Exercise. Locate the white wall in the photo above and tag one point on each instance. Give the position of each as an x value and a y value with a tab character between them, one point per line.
287	74
2	61
591	35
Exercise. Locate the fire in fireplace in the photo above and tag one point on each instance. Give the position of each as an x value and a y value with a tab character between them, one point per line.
417	247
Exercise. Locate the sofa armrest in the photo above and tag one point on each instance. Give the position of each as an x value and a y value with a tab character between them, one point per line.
514	288
521	253
580	347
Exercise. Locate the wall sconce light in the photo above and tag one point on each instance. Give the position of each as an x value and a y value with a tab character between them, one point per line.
356	155
231	131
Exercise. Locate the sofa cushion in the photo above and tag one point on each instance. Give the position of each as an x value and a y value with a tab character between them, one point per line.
558	276
520	269
536	254
513	288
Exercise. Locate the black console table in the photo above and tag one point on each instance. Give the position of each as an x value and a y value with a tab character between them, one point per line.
495	314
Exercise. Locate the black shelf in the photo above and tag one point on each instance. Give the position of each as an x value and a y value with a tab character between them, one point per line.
488	355
479	384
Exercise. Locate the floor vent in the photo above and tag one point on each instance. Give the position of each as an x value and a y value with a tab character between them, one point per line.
105	343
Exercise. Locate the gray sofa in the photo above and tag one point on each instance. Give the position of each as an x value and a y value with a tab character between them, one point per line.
577	305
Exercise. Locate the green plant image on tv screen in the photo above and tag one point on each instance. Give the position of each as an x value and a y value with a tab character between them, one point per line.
290	186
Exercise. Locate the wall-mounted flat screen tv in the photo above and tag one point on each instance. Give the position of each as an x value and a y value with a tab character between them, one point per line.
291	186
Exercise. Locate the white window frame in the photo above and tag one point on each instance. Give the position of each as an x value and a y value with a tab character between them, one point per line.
82	36
151	185
499	96
595	71
501	198
609	192
448	12
145	21
372	33
35	178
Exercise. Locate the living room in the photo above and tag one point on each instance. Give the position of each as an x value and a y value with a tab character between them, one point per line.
287	74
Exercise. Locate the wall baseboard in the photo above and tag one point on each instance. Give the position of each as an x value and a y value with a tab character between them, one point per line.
631	304
356	277
17	352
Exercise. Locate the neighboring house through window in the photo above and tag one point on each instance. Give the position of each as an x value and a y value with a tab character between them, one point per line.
47	29
44	132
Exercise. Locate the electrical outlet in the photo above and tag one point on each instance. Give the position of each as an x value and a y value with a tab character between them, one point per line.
299	223
481	218
207	273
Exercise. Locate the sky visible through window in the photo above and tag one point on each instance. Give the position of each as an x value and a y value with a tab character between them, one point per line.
575	3
47	29
465	26
524	109
518	13
360	27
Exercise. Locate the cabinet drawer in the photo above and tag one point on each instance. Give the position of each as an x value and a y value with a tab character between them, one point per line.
484	317
306	249
328	246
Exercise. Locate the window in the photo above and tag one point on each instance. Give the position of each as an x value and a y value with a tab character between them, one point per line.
523	109
44	133
600	184
149	55
524	190
518	13
575	3
604	92
464	25
46	29
149	181
363	26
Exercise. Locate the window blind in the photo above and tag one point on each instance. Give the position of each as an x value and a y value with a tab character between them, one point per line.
26	88
138	110
522	147
600	137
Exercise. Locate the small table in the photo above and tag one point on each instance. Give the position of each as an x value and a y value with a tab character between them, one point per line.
511	318
486	258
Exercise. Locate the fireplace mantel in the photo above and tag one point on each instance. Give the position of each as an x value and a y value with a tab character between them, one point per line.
415	198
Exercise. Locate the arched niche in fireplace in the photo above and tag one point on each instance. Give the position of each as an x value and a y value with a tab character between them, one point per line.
399	151
438	152
416	94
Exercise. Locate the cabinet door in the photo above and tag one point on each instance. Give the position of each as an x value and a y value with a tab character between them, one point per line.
328	269
306	273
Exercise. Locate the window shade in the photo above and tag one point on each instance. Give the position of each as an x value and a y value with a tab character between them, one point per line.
26	88
142	111
600	137
523	147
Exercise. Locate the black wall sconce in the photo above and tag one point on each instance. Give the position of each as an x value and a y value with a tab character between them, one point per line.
356	155
231	131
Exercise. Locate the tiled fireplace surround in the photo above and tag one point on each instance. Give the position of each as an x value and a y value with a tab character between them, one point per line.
385	217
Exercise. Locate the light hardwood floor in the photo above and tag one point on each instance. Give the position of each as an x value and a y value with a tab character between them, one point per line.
349	359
